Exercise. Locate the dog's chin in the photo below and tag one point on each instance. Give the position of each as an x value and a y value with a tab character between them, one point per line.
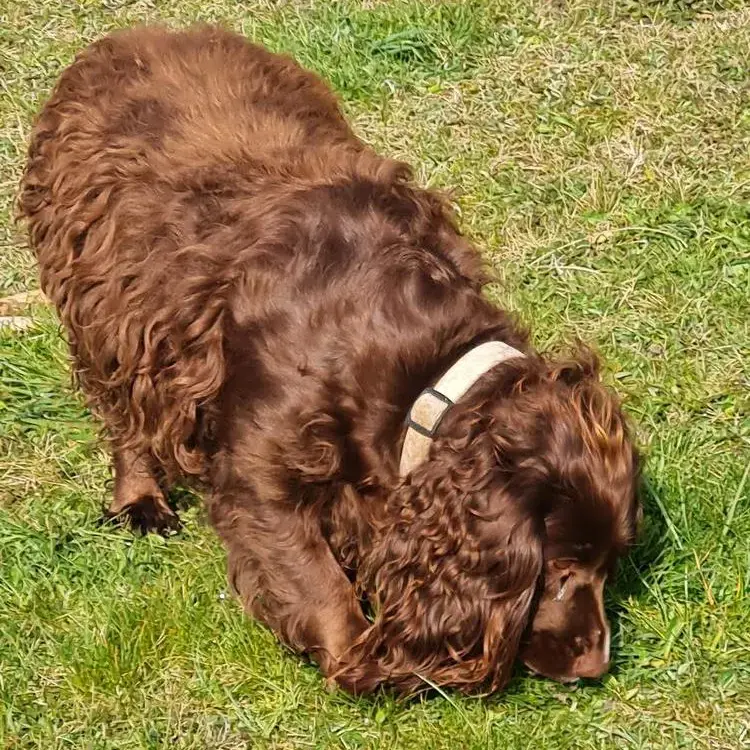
548	675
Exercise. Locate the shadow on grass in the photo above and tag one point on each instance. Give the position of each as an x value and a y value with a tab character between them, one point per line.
182	498
633	578
653	539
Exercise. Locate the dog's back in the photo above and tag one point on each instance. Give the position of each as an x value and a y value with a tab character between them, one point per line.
183	100
153	115
151	143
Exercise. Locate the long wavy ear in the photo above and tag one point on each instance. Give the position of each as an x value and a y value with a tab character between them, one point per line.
452	575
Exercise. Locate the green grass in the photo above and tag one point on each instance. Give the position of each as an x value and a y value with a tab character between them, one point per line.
600	153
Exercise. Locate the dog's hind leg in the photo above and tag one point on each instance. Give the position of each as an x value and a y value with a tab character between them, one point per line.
138	498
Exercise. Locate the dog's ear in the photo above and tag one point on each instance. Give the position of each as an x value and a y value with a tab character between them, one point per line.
452	574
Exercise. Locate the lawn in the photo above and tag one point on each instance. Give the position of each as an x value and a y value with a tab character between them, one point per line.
599	153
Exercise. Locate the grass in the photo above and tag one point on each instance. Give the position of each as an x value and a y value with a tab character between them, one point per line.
600	153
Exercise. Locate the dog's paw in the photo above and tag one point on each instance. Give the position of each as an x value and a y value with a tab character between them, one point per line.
147	514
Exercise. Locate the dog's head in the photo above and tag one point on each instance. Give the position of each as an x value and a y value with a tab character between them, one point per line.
501	543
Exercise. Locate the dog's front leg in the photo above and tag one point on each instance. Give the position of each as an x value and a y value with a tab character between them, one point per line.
284	572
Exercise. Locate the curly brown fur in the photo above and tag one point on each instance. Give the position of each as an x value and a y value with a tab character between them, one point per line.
254	298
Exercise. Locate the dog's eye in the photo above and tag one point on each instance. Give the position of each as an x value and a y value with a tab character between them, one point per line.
563	585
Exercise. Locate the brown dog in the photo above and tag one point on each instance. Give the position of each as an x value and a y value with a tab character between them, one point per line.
255	298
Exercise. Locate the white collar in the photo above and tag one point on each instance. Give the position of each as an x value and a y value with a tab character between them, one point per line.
431	405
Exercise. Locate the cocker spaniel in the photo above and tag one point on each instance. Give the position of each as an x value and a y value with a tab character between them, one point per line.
257	300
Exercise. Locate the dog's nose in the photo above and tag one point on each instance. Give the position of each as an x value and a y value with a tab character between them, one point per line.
592	664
